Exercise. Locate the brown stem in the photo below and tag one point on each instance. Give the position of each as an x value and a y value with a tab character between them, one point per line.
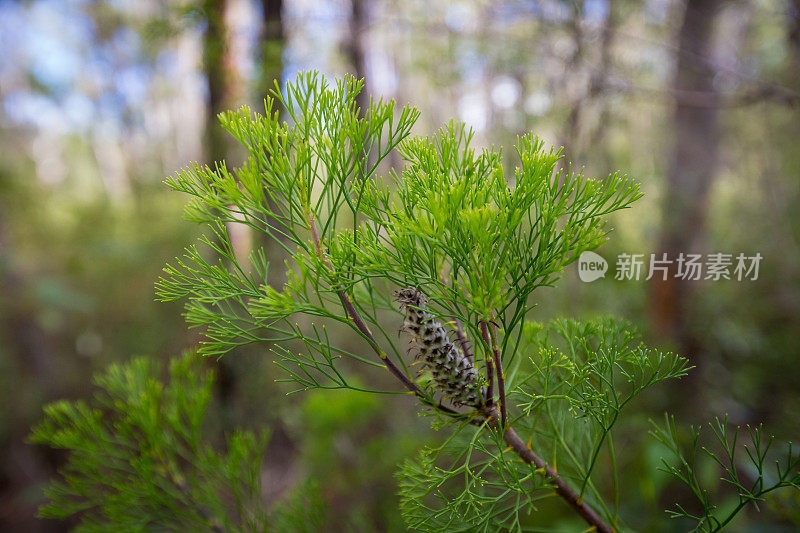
489	365
462	338
488	393
509	435
356	318
562	489
501	384
362	327
358	322
512	439
490	378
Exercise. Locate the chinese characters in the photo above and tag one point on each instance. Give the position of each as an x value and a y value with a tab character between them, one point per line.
691	267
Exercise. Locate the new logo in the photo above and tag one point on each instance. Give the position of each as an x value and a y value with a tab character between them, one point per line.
591	266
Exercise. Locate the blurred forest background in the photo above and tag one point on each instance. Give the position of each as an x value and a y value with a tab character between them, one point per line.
100	100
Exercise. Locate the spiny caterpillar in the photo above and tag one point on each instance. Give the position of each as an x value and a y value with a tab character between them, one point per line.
453	372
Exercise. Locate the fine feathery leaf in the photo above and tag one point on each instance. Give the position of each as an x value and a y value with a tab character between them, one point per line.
471	239
140	460
749	465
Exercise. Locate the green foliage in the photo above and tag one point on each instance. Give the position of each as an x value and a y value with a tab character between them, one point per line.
352	446
303	511
471	240
469	483
456	212
452	215
576	383
750	471
139	459
311	171
569	394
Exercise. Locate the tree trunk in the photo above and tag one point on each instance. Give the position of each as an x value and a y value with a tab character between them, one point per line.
356	48
272	42
28	355
691	170
225	91
575	100
794	41
225	85
272	45
599	85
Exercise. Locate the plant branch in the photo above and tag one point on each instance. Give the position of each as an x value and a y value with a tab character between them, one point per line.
509	435
526	454
489	365
356	318
462	337
562	489
501	385
364	330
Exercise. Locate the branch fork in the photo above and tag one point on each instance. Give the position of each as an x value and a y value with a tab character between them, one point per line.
488	413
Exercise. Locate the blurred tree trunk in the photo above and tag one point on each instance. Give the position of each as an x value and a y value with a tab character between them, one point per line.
273	42
225	85
575	97
692	166
794	41
355	48
27	354
598	87
281	472
225	91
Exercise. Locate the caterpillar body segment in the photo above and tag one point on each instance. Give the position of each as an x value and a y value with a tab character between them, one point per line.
454	374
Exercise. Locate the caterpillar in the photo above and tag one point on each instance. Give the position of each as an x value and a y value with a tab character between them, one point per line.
453	372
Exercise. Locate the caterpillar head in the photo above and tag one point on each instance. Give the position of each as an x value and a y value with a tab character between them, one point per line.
411	297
